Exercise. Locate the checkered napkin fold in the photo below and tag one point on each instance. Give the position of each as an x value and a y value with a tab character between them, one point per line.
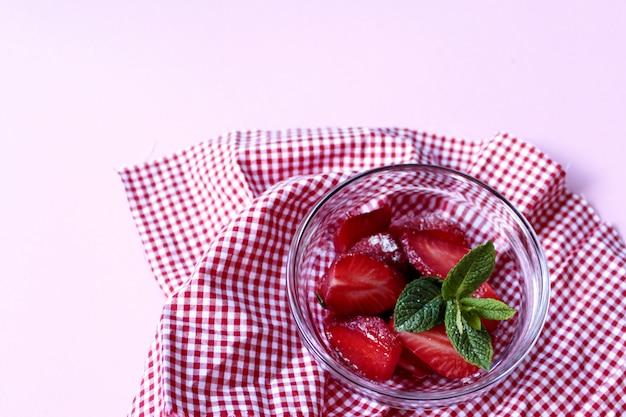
217	220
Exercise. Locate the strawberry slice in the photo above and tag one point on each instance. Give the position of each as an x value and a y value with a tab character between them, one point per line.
360	284
430	252
382	246
358	226
434	348
438	226
366	344
412	364
408	361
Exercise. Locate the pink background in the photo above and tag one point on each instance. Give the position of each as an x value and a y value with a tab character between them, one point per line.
87	88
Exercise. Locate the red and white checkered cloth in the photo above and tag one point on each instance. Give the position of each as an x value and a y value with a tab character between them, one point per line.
217	220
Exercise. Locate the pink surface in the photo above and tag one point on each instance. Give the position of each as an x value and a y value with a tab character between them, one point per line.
86	88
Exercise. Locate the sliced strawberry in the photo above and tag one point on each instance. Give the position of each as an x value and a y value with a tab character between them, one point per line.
360	284
439	226
429	253
366	344
412	364
358	226
382	246
434	348
408	361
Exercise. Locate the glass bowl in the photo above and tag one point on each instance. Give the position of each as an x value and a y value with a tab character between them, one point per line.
520	278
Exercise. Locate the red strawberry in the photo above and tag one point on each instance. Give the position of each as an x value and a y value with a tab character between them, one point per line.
441	227
408	361
359	284
434	348
382	246
412	364
358	226
366	344
431	254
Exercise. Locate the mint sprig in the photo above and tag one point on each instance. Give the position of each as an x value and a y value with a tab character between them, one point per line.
429	301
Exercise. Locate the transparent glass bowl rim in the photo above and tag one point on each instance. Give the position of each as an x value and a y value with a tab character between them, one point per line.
405	399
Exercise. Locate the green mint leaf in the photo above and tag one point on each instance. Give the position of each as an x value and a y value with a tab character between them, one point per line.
472	319
472	344
420	306
487	308
471	271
